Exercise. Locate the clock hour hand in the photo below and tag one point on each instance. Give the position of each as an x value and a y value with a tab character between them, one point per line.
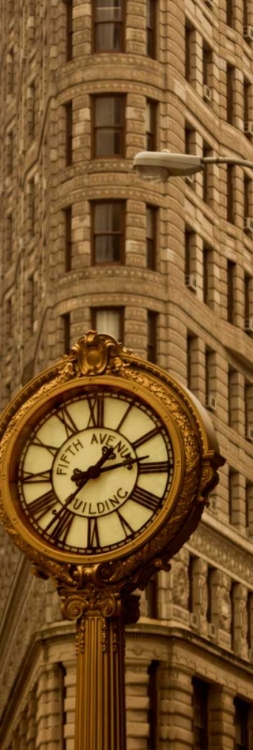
77	476
81	477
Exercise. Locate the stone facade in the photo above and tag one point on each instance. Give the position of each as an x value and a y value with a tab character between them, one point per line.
191	64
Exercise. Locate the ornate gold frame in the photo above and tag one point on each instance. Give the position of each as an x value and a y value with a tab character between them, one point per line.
95	360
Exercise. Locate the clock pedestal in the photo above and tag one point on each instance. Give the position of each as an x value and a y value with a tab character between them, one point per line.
100	646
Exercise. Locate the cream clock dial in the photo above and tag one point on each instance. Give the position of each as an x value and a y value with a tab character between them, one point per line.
95	471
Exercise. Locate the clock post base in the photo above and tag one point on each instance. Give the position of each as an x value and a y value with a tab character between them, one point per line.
100	683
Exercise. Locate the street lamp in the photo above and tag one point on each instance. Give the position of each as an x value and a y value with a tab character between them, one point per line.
160	165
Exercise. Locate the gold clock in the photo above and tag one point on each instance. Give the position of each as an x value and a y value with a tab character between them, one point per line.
100	458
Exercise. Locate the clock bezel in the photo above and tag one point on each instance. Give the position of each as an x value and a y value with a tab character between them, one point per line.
43	404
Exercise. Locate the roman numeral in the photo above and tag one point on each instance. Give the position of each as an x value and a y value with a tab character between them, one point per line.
61	524
145	498
96	407
144	438
153	468
51	448
42	504
124	416
93	533
125	525
39	477
65	417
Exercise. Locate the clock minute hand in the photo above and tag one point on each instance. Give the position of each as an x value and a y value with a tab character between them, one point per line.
128	463
96	470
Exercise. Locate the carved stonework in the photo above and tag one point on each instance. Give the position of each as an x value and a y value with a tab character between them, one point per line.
180	585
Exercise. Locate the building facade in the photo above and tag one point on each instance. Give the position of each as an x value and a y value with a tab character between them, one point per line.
168	268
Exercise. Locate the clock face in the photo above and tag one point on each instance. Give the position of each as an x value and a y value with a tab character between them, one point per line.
95	471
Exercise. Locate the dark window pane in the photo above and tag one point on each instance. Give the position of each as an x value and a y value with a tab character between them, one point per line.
108	37
108	217
108	126
108	10
107	248
108	26
108	142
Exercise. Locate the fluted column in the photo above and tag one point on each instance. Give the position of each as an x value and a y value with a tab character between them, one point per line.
100	681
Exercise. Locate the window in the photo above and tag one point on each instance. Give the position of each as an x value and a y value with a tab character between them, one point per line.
231	276
247	205
68	238
248	297
248	400
151	598
66	332
69	123
245	13
249	523
153	705
190	259
233	495
250	619
207	175
230	93
108	320
200	714
209	578
151	234
241	718
108	126
151	336
150	125
108	17
108	229
151	28
192	361
189	51
69	30
207	71
191	143
210	379
229	13
208	269
246	101
192	585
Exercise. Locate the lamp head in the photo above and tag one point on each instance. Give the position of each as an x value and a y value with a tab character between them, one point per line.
159	165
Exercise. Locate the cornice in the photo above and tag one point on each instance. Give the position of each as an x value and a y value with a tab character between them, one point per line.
232	553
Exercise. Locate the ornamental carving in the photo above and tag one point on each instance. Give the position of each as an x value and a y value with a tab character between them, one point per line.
180	594
93	354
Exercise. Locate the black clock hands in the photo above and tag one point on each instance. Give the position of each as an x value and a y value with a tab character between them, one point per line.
91	473
94	471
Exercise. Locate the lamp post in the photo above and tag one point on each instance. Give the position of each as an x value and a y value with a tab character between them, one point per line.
160	165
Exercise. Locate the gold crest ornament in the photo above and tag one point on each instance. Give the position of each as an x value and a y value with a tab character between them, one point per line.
106	465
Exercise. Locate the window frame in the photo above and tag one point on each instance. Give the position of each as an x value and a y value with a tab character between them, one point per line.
121	128
151	134
68	106
151	249
122	234
121	24
152	321
202	688
151	31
